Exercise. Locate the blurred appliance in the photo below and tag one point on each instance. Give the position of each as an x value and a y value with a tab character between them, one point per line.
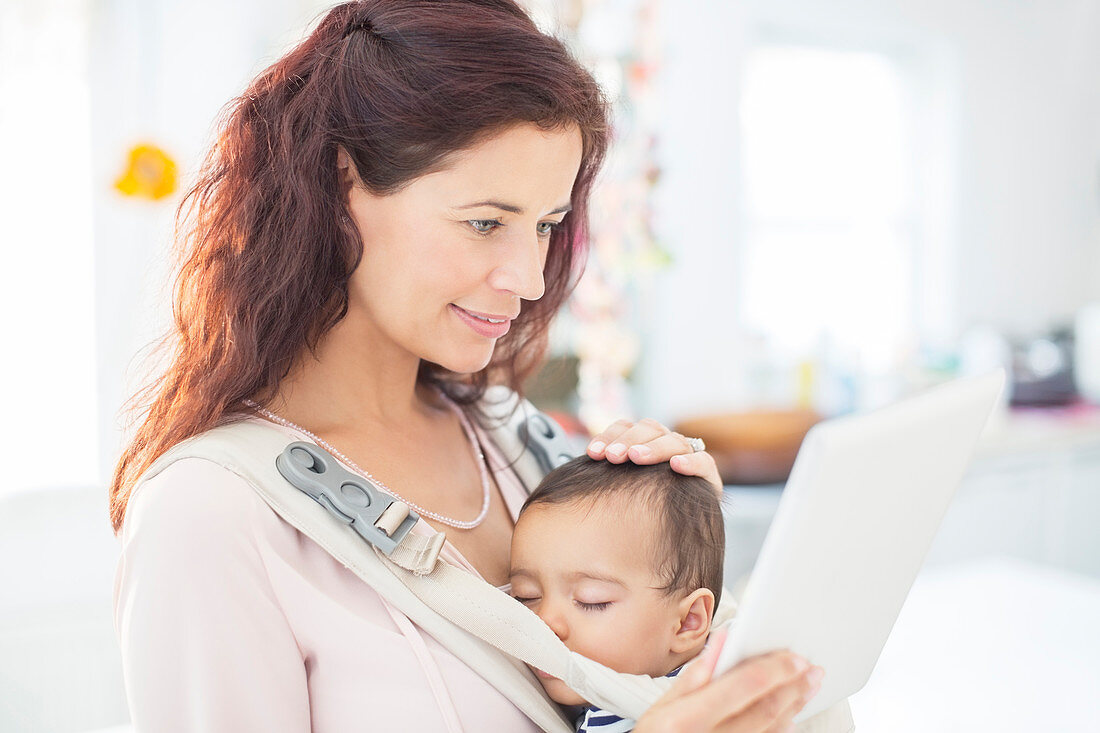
1042	370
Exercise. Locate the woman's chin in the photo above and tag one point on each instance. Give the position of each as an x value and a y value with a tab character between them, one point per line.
469	362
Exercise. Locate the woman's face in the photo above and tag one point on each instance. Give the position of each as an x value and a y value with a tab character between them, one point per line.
447	260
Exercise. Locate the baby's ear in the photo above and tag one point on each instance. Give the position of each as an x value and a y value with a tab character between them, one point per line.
696	611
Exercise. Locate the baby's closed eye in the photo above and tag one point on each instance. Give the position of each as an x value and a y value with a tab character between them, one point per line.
602	606
583	605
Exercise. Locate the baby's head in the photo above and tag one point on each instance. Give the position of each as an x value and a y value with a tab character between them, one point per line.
623	562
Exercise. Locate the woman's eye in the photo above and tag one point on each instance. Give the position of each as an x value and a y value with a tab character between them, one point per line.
592	606
484	226
545	228
525	601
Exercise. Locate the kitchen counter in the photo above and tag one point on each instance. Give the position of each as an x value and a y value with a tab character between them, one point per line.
1032	492
1033	430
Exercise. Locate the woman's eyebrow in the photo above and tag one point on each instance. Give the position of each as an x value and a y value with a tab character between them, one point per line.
512	208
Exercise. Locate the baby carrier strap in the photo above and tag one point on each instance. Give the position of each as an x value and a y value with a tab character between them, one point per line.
531	441
476	622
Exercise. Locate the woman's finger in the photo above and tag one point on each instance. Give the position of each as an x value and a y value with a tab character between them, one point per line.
697	464
738	690
599	442
730	698
659	449
729	701
648	442
668	713
637	433
776	710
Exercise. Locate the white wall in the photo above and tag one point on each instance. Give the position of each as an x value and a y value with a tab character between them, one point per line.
1029	163
690	347
1021	192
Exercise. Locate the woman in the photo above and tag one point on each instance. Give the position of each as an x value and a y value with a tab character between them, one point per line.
388	221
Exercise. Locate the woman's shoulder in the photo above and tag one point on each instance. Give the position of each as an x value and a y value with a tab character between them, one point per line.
185	486
190	489
192	496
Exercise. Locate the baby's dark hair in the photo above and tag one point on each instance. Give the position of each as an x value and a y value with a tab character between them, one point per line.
692	536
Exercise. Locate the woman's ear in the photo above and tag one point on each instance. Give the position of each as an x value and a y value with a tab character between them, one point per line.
695	611
345	169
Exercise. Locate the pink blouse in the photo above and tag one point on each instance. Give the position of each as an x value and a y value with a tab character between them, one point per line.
232	620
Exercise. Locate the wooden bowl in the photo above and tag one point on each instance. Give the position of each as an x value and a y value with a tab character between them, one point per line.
757	447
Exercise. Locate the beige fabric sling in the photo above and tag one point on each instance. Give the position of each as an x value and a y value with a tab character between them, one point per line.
475	621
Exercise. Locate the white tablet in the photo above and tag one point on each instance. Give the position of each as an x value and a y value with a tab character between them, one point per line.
855	521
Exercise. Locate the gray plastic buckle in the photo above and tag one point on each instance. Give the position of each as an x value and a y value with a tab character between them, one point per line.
350	498
546	441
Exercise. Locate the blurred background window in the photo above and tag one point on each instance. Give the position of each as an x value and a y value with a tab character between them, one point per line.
48	373
829	201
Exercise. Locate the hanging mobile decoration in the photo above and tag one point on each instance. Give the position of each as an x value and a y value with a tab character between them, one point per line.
620	42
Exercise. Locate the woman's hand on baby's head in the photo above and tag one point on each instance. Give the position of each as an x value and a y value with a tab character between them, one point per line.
647	442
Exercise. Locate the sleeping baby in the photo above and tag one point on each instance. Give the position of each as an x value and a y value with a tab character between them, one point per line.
624	563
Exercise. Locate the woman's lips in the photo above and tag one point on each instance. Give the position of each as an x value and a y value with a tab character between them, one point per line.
481	326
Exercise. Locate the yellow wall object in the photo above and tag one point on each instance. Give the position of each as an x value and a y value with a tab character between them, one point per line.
150	173
806	377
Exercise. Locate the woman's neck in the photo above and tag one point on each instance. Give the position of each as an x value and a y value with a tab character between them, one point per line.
349	385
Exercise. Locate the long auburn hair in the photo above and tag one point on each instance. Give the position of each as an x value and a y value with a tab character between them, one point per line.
264	249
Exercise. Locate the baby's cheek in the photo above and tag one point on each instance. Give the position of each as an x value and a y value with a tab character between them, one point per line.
601	638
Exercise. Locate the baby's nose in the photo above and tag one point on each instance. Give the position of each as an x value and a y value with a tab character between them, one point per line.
556	622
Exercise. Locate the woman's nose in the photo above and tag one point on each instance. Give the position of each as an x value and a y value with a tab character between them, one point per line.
520	272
